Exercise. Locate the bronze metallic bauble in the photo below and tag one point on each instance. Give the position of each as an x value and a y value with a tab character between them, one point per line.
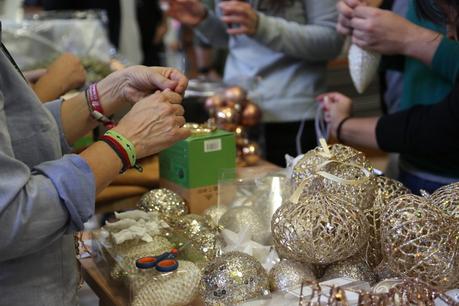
227	118
251	115
251	153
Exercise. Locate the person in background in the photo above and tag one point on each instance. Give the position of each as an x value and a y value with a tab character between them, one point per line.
431	67
63	75
278	49
46	193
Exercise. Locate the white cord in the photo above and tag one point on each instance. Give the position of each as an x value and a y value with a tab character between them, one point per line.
321	127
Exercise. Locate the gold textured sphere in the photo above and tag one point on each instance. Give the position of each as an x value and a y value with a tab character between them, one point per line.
321	229
354	268
166	202
447	199
419	240
289	274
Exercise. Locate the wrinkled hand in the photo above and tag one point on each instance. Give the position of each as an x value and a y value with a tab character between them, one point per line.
68	71
188	12
336	107
154	123
240	14
137	82
345	10
381	31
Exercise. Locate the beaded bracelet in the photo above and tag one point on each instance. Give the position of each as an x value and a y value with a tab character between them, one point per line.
119	150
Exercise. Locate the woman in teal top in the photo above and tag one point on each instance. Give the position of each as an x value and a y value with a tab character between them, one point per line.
428	40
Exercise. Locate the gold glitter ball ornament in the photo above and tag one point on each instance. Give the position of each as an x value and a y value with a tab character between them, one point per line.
339	169
354	268
321	229
236	219
289	274
386	190
216	212
447	199
202	233
419	240
169	204
233	278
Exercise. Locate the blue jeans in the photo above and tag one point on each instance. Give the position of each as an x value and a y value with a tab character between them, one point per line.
415	183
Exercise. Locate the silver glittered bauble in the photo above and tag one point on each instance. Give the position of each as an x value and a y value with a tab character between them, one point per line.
289	274
321	229
363	65
353	268
216	212
233	278
238	218
169	204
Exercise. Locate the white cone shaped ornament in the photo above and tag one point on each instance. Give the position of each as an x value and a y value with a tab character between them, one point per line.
363	66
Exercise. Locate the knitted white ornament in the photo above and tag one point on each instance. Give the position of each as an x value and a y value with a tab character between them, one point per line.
363	66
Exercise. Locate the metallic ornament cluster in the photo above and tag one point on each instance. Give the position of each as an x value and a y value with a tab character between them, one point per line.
233	278
169	204
342	170
354	268
238	218
386	190
322	228
419	240
289	274
202	234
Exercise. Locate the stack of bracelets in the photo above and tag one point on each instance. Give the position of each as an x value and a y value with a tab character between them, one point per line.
123	148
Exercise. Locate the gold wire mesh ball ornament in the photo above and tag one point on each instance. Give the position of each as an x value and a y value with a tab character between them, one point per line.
341	169
354	268
321	228
233	278
386	190
447	199
169	204
289	274
419	240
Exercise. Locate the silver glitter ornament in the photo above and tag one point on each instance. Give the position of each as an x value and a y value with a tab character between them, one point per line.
238	218
363	65
321	229
233	278
289	274
353	268
169	204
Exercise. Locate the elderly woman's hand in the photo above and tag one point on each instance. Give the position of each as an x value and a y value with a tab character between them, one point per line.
336	107
240	16
154	123
132	84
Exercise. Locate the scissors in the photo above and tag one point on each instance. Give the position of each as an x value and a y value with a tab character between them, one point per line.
165	262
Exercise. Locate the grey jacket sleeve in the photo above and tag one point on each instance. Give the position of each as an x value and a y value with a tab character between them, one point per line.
39	205
213	31
315	41
54	107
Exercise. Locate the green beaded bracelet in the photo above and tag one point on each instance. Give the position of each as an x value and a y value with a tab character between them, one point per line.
127	145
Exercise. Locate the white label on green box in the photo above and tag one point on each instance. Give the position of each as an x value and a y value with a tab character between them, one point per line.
212	145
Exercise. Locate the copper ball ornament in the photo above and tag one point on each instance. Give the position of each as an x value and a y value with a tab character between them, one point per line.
251	153
235	93
420	240
213	103
227	118
321	228
233	278
251	115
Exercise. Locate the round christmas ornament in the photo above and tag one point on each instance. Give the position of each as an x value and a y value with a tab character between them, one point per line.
233	278
419	240
238	218
354	268
169	204
213	103
202	233
288	274
386	190
447	199
227	118
216	212
235	94
251	153
321	228
251	115
338	169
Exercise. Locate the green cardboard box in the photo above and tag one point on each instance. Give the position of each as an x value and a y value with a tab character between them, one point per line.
199	160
